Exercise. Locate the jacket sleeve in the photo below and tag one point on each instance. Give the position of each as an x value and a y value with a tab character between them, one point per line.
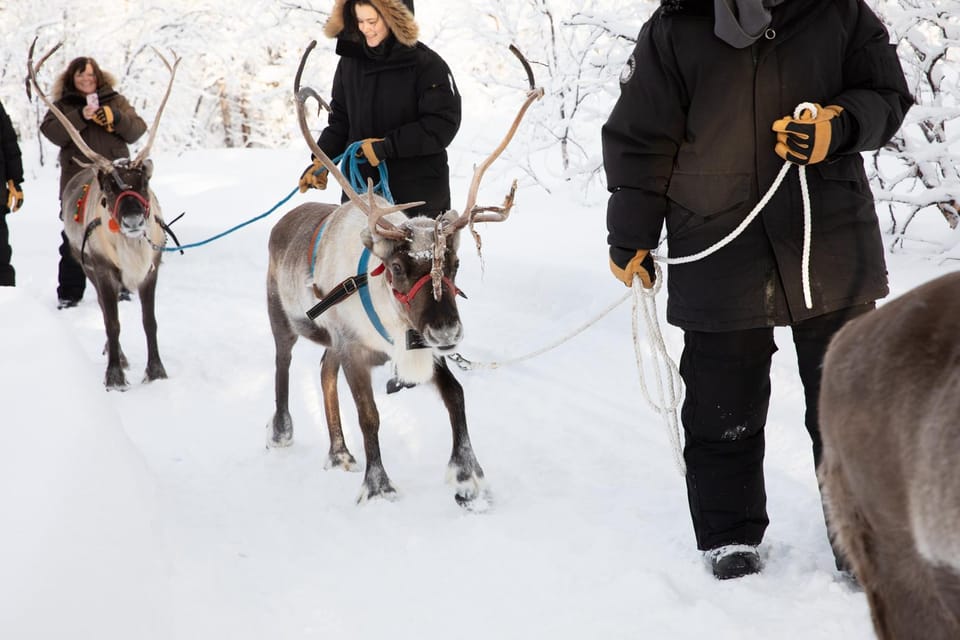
438	113
333	138
875	93
12	163
641	139
55	132
131	126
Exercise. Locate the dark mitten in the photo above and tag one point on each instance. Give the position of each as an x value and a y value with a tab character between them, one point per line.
811	137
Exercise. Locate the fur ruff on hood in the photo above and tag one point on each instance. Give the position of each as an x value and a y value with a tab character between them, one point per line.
58	85
396	13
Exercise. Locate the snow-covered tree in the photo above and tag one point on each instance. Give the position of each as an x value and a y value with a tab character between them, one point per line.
916	174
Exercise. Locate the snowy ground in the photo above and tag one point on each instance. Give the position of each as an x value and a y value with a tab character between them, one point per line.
158	512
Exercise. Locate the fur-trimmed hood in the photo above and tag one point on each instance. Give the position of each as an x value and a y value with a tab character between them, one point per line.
398	14
57	91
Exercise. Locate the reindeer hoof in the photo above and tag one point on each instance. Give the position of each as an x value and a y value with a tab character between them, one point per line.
376	484
280	432
475	501
115	380
471	489
341	460
367	494
154	372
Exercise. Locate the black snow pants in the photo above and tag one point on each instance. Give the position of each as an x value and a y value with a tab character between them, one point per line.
727	378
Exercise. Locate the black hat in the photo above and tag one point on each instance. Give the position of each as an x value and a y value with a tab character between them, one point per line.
409	4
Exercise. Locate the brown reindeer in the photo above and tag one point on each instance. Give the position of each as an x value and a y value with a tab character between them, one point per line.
115	231
890	418
366	254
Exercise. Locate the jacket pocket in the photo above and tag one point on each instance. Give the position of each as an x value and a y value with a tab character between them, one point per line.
697	199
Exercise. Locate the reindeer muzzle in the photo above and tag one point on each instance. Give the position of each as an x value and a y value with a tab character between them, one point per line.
130	214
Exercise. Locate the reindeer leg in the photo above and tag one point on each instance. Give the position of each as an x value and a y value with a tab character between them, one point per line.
339	456
107	287
147	293
280	427
463	470
375	480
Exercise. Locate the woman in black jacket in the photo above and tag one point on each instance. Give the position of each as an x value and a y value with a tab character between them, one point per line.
11	193
704	123
107	122
394	95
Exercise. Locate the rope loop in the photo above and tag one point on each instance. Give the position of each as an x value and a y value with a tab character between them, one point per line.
350	161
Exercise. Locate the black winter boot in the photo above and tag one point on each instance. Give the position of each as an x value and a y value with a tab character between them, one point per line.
734	561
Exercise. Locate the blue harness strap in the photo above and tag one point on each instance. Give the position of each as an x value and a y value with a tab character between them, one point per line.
365	298
367	301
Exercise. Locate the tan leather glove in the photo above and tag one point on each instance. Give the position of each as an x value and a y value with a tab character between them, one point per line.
14	196
313	177
624	266
106	118
372	149
808	139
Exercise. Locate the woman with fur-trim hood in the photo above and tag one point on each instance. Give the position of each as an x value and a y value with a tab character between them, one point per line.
107	123
396	96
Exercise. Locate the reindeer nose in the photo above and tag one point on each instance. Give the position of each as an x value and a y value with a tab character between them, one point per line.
444	338
133	225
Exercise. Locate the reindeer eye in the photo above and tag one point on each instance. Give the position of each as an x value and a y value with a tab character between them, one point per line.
396	269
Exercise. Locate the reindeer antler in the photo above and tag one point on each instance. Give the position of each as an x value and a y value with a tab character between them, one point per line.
145	151
102	162
471	212
375	213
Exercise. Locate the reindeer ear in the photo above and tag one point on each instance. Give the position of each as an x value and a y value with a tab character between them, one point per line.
147	168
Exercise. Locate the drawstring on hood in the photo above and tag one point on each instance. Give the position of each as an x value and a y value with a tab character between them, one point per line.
740	23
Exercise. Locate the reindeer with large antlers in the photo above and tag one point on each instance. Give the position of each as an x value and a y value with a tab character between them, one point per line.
372	285
113	223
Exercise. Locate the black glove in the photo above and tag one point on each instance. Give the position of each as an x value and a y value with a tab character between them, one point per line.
106	118
626	263
809	139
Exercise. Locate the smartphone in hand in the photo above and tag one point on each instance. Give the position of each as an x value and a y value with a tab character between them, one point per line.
93	100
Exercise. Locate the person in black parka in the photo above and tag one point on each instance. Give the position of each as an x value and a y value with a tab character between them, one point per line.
11	193
396	96
107	125
703	125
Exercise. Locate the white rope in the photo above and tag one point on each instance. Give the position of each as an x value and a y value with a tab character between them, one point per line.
669	391
666	373
468	365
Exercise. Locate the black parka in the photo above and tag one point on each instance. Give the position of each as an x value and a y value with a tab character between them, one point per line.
11	163
689	143
403	93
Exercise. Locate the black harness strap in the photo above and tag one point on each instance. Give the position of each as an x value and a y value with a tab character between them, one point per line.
338	294
86	234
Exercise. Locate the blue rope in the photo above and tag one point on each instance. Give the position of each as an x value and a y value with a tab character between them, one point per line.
349	165
232	229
